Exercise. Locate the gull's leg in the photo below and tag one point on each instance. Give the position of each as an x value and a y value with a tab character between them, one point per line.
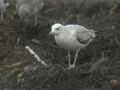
75	58
35	20
69	59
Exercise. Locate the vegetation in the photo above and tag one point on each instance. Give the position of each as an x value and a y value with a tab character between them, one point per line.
98	67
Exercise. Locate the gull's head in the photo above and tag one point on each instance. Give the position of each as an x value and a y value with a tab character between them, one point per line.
55	28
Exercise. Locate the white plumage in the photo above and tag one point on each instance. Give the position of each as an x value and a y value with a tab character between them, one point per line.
72	37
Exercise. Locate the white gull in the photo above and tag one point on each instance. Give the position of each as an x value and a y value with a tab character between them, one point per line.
72	37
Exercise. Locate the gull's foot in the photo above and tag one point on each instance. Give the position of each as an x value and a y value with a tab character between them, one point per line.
71	67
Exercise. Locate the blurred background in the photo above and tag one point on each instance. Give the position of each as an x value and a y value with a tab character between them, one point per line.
28	22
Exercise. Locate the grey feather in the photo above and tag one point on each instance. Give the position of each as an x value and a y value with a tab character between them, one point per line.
75	27
82	34
85	37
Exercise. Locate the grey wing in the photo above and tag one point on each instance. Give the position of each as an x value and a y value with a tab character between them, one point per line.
83	37
82	34
75	27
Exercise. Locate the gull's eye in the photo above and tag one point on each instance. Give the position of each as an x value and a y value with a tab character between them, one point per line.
57	28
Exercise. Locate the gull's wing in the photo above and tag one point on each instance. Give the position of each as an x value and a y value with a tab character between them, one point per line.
83	37
82	34
75	27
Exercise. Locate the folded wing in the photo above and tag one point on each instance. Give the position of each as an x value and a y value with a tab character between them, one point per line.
84	37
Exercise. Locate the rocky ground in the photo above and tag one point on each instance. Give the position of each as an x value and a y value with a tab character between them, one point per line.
98	65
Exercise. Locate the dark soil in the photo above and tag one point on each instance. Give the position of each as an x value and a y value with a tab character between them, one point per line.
98	67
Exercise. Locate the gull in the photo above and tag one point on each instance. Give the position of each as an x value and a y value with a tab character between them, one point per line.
29	8
72	37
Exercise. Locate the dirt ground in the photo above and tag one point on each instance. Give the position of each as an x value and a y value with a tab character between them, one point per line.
98	67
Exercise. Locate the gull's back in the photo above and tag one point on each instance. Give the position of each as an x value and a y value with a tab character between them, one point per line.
81	32
75	27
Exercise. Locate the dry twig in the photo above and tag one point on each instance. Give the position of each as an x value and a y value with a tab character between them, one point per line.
35	55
